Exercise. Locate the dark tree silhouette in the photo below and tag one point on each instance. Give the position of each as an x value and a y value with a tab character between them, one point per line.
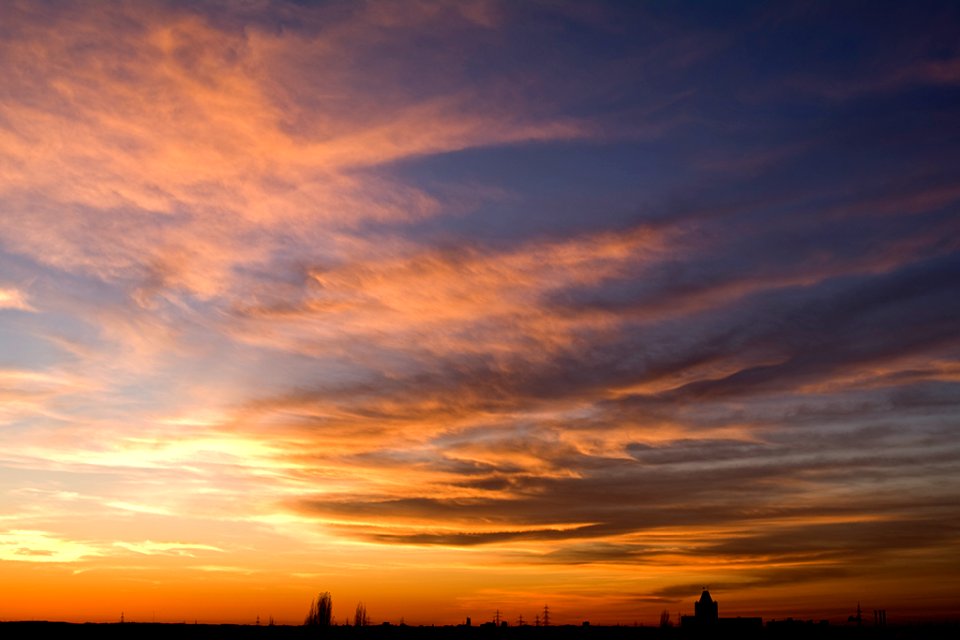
665	619
320	611
360	618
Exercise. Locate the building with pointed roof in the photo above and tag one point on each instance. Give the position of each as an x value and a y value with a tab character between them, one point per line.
706	609
707	614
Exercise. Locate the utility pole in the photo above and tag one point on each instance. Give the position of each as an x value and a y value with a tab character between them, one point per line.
546	616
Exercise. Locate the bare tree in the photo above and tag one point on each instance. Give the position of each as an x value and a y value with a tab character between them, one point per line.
320	611
665	619
360	618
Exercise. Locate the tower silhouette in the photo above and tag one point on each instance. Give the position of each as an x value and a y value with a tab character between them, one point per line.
706	610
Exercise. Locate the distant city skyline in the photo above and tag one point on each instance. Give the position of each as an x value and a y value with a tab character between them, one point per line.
456	307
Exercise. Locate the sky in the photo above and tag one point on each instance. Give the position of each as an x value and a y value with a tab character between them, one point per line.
451	307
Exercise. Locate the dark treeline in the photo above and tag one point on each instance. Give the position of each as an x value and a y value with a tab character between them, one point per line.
158	631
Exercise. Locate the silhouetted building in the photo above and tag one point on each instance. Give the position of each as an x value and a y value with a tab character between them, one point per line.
706	610
789	624
707	615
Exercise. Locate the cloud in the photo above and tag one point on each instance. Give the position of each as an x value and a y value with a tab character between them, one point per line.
14	299
148	547
43	546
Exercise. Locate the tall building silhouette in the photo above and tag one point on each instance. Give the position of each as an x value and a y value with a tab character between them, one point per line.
706	613
706	610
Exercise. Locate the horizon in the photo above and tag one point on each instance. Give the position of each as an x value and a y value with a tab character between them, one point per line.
455	307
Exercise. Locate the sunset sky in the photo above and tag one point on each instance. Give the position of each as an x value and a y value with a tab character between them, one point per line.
452	307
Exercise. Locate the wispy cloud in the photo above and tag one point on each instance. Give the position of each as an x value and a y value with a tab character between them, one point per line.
42	546
14	299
